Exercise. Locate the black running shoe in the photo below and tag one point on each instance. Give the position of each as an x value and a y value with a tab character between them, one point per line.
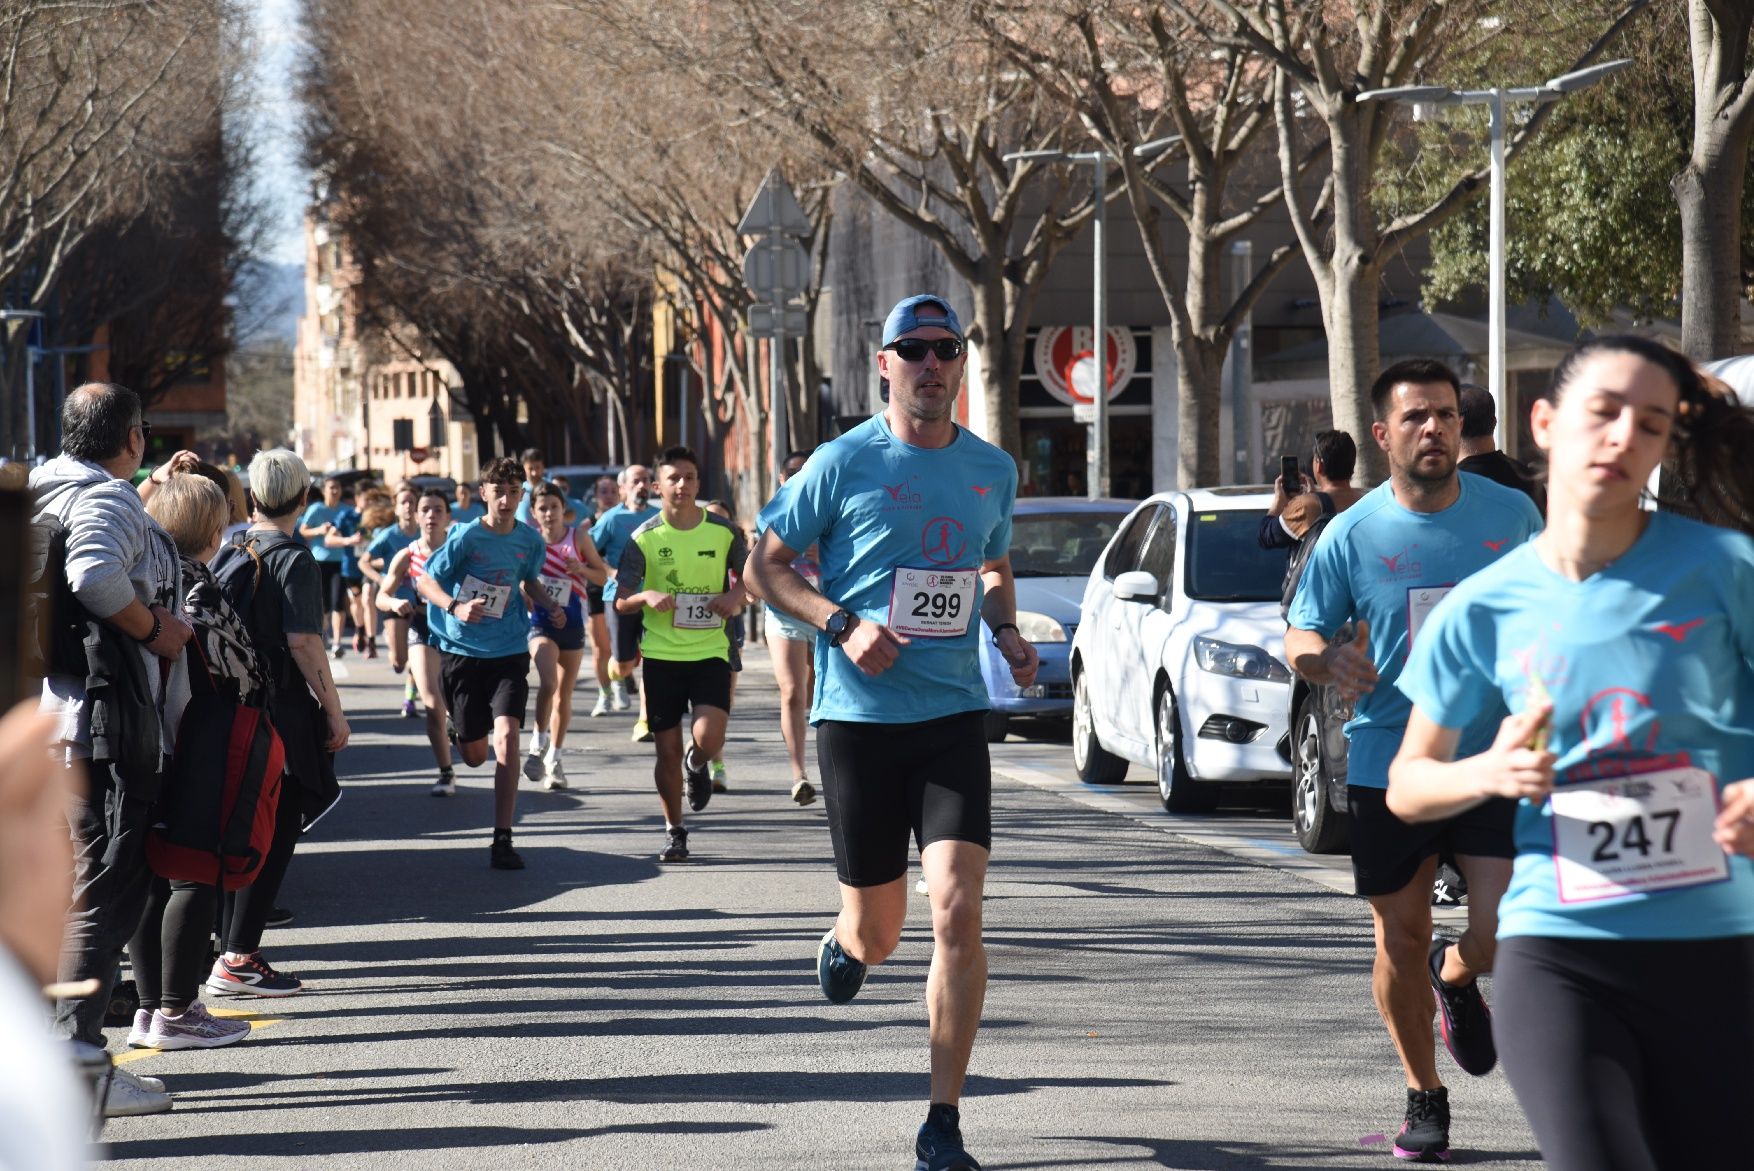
1424	1136
939	1145
1450	888
279	917
1467	1022
697	783
503	857
676	846
840	975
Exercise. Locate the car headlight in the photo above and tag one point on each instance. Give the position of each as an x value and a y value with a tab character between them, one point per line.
1244	662
1039	627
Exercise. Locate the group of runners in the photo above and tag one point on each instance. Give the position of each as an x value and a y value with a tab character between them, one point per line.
1565	709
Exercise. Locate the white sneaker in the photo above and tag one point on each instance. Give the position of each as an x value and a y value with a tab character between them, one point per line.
601	707
533	768
444	787
128	1098
803	792
556	778
195	1029
618	695
920	887
142	1027
140	1080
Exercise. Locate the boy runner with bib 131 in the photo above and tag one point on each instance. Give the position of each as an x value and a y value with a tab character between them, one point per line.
676	571
477	584
1386	562
912	517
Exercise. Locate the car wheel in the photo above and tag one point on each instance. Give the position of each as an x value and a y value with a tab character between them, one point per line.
1179	792
998	725
1320	828
1094	764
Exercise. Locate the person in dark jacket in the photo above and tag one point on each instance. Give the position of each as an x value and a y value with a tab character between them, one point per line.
1480	454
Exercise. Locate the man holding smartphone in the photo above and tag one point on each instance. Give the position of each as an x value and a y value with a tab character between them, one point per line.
1299	501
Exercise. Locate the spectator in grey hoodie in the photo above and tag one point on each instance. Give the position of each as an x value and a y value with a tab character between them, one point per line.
122	568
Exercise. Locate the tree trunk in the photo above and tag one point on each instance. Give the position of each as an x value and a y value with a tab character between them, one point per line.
1001	364
1350	316
1199	383
1709	190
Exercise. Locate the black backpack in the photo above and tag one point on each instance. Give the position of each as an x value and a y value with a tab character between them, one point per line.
238	568
55	622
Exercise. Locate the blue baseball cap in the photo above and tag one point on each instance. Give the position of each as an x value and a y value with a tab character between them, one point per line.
918	312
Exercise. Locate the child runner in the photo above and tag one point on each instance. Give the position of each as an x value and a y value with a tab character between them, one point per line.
611	533
399	597
480	580
676	574
327	525
384	545
1623	642
568	566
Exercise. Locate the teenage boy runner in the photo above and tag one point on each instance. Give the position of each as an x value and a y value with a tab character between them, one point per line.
912	515
676	576
331	520
1385	563
611	534
401	599
476	586
376	559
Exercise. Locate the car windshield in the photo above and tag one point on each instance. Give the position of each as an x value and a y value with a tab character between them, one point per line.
1060	544
1225	561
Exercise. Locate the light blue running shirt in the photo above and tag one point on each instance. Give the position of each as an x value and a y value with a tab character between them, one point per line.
612	532
385	546
1649	665
463	515
321	514
1388	565
498	563
874	505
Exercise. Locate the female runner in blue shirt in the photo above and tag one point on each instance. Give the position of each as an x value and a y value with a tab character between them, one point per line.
1618	645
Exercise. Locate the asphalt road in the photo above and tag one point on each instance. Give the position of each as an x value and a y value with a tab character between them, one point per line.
1158	1000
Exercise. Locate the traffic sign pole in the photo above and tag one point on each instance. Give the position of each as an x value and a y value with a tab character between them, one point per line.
777	273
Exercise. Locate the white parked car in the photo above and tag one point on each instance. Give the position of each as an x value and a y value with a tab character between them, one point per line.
1178	660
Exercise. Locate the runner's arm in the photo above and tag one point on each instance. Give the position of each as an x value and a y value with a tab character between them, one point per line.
1346	666
999	609
391	583
1427	783
596	570
538	599
313	663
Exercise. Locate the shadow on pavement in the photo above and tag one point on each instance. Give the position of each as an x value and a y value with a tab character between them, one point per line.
304	1144
1201	1155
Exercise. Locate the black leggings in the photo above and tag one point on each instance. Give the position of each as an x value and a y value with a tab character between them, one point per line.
169	951
246	910
1629	1055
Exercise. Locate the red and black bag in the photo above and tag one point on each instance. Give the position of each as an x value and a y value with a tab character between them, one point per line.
216	819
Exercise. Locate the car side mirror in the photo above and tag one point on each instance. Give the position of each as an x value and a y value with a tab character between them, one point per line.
1137	586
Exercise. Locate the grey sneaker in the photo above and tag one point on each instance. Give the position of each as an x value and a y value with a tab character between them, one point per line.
803	792
676	846
554	780
195	1029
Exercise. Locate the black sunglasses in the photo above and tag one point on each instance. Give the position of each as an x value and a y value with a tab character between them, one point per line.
145	430
913	349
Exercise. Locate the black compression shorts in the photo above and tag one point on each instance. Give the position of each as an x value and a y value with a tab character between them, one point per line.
883	781
593	600
334	587
673	687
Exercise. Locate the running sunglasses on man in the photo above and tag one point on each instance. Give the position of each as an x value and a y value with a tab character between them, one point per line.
913	349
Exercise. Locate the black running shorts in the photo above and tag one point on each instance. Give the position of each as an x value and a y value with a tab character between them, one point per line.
883	781
1388	852
479	691
334	586
593	599
673	687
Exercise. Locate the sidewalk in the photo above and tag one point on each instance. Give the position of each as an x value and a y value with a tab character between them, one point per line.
1155	1003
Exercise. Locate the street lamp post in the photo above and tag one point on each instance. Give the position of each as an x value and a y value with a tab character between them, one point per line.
30	380
1495	100
1096	464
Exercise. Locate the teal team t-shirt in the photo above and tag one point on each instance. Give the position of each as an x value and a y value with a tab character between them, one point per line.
475	561
462	515
1389	565
874	506
612	532
321	514
1649	666
386	545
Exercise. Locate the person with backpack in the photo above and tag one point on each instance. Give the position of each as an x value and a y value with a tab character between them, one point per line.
169	950
112	682
273	582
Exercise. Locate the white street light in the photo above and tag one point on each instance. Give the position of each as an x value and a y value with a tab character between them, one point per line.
1496	99
1096	469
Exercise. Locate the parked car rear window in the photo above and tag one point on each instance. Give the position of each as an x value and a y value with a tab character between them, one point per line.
1060	544
1226	562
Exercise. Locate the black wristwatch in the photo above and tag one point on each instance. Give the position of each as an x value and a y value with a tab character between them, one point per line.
837	626
1004	626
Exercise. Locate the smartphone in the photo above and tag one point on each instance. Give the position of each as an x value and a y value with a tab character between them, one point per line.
1289	475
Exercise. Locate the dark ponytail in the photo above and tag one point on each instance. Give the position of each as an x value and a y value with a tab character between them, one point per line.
1709	471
